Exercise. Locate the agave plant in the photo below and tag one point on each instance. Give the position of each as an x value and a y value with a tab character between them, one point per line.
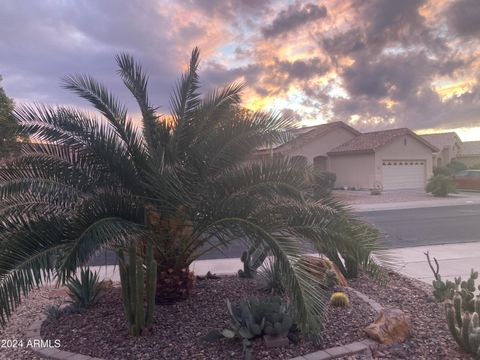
85	290
181	182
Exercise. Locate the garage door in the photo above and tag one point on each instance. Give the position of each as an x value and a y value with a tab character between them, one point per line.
403	174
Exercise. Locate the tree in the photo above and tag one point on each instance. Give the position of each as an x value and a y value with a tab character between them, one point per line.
8	126
182	186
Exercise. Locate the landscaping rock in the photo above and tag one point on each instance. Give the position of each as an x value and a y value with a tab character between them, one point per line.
391	326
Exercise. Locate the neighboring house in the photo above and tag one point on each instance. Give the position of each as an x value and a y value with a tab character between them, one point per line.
449	145
470	153
313	143
396	159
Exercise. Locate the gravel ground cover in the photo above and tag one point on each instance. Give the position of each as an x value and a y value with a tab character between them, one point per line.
101	331
36	304
431	338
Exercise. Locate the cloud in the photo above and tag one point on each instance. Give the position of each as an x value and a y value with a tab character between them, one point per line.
293	17
464	17
380	63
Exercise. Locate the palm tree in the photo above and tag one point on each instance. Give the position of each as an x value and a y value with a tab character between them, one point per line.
183	183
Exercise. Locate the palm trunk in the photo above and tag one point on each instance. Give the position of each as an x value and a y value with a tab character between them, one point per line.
173	284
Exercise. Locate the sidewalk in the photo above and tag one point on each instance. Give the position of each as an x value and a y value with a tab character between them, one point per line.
463	198
455	260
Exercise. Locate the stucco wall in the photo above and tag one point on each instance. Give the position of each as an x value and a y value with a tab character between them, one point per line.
404	148
321	145
354	170
469	160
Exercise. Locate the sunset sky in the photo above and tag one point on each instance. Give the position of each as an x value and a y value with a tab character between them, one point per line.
375	64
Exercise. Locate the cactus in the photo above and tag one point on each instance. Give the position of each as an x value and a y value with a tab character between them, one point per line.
339	299
464	326
132	276
252	260
253	318
446	290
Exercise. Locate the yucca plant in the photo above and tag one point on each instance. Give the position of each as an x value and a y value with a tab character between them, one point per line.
181	182
85	290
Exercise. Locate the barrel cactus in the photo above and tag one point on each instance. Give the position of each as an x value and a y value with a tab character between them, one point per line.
339	299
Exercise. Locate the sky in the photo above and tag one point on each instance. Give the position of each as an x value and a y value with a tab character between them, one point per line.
376	64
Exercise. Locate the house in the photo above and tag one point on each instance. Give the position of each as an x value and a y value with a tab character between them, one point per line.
449	145
313	143
393	159
470	153
396	159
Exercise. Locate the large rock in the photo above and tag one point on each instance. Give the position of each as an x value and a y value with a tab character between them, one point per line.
391	326
317	266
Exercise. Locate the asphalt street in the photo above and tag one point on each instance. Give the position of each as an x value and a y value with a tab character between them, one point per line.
399	228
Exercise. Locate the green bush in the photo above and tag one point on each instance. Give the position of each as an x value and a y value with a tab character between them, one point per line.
85	290
323	182
456	166
442	170
475	167
440	185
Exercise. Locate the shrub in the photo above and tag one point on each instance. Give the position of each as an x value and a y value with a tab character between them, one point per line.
440	185
269	278
323	182
456	166
442	170
85	290
475	167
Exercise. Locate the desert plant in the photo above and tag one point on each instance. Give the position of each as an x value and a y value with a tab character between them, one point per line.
463	325
339	299
323	183
442	290
255	317
85	290
182	181
53	312
252	259
139	283
446	290
440	185
269	278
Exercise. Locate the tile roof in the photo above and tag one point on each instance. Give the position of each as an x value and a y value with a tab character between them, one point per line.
369	142
442	140
306	134
470	148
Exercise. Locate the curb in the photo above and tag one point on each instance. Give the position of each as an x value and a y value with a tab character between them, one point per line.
32	334
353	348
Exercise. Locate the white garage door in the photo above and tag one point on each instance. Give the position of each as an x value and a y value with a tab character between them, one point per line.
403	174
